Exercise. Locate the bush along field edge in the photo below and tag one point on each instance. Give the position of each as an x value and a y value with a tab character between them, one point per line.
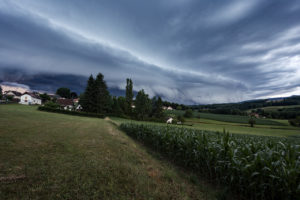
76	113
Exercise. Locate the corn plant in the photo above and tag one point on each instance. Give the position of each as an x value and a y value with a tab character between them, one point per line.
255	167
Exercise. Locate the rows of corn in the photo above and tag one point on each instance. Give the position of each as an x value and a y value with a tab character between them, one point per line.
254	167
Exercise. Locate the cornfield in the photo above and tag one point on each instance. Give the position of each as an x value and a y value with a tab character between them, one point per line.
254	167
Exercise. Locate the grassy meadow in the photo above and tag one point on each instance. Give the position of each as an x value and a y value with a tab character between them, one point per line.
229	118
275	108
55	156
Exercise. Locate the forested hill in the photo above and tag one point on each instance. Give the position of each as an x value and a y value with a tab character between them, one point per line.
253	104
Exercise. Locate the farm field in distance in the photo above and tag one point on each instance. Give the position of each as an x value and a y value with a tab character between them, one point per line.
275	108
282	129
230	118
55	156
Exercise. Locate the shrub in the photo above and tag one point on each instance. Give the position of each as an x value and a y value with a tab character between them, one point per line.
295	122
49	109
252	121
51	104
181	119
188	113
174	121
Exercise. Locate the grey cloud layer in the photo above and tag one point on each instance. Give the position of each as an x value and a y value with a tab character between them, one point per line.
187	51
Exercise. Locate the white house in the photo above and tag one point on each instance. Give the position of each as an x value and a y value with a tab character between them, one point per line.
30	99
170	120
78	107
169	108
66	104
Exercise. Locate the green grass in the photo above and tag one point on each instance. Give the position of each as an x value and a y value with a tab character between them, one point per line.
275	108
56	156
265	130
228	118
237	119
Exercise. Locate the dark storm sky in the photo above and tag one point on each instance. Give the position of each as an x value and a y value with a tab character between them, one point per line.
187	51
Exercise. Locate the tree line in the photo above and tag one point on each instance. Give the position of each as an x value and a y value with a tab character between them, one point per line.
97	99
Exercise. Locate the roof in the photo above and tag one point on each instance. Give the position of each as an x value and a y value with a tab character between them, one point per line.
53	96
36	96
14	93
64	102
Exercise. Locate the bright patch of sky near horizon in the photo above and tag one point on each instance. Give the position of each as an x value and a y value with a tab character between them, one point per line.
186	51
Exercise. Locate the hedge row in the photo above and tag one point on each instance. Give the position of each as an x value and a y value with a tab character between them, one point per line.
85	114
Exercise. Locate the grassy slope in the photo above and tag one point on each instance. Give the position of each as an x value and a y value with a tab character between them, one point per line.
213	125
55	156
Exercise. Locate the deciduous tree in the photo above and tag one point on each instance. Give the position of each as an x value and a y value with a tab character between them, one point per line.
73	95
45	97
252	121
63	92
188	113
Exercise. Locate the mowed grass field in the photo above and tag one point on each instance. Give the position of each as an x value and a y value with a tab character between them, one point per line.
229	118
282	130
55	156
275	108
238	128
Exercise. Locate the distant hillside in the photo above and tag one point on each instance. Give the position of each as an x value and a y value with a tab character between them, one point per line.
253	104
280	111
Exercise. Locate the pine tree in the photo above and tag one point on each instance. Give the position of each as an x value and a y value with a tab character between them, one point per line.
129	97
122	103
142	105
103	100
153	102
116	106
87	100
157	108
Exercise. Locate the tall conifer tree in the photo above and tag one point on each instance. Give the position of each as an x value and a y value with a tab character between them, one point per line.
157	108
103	101
87	101
129	96
142	105
116	106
